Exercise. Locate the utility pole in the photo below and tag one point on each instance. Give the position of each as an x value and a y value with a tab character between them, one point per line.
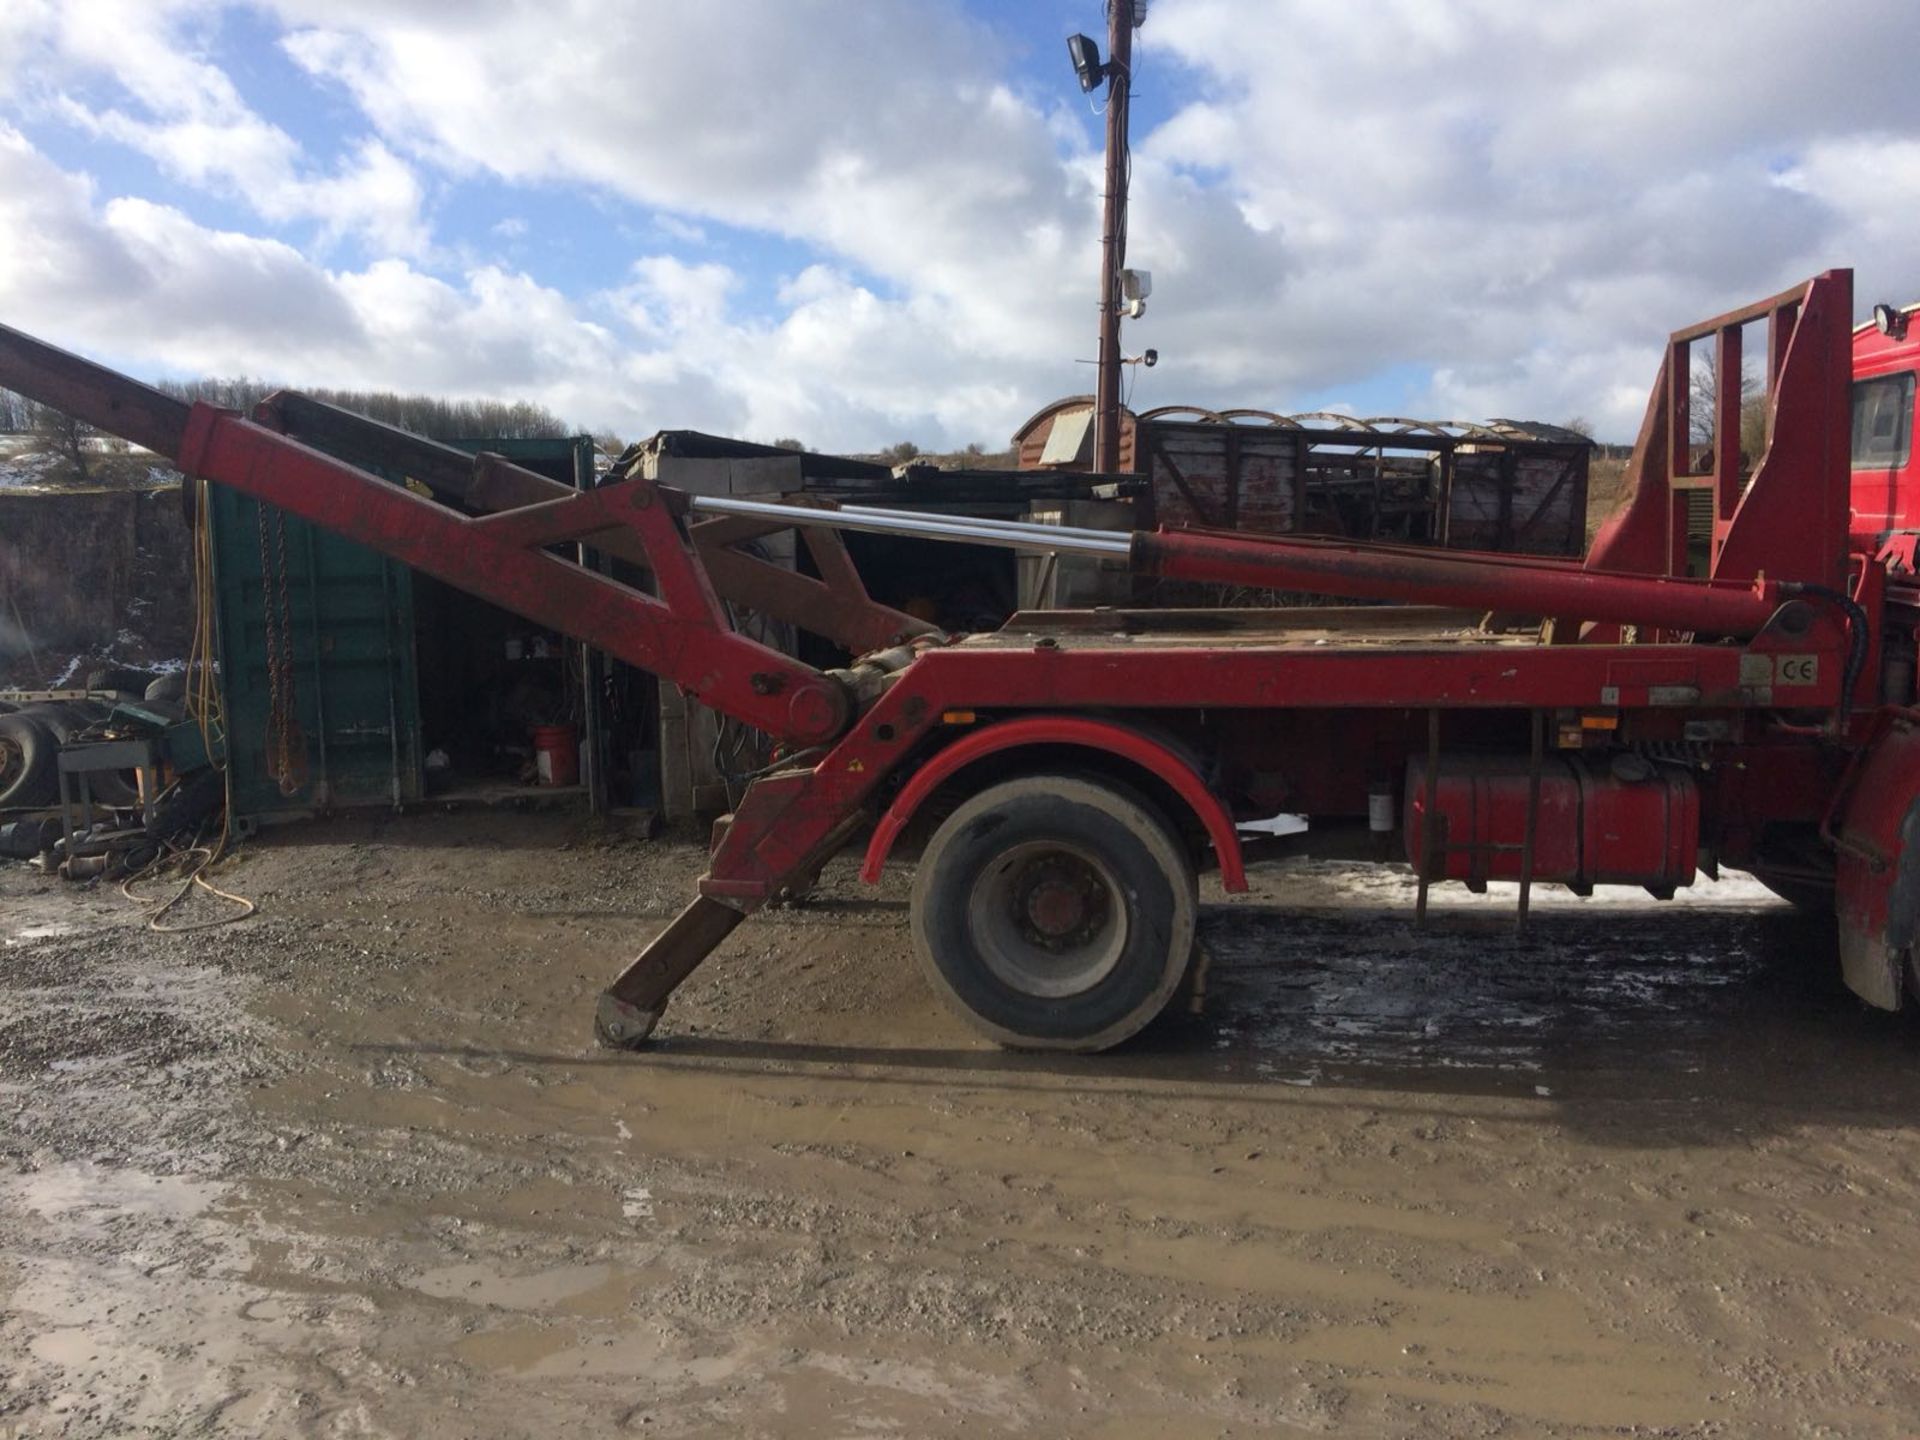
1113	239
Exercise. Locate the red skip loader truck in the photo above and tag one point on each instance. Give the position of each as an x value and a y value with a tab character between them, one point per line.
1727	678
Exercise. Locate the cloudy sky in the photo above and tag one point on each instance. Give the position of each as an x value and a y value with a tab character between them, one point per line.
861	221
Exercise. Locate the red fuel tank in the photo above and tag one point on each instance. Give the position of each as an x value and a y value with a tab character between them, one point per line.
1625	822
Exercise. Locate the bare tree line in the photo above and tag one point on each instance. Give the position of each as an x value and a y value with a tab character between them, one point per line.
17	413
428	415
432	416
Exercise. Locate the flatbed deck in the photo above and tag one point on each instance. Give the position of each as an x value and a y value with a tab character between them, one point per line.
1315	627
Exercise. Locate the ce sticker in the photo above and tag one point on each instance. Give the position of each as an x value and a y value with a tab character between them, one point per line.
1796	670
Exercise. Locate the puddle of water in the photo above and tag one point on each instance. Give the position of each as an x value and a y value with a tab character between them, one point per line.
634	1351
971	1391
539	1290
116	1266
81	1196
516	1348
1344	987
51	931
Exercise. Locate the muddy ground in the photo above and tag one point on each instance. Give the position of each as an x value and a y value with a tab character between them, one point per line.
354	1168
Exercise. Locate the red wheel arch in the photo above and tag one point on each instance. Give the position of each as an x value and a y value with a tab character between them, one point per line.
1102	735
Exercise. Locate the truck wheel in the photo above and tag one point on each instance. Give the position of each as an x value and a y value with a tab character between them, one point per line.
1055	913
27	749
171	686
117	789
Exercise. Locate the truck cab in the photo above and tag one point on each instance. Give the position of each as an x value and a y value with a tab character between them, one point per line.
1886	473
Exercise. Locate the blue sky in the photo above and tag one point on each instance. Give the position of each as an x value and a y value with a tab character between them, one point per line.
862	223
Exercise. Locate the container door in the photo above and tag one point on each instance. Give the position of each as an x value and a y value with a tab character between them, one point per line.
317	662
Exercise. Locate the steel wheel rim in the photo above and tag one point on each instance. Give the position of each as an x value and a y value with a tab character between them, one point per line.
1047	919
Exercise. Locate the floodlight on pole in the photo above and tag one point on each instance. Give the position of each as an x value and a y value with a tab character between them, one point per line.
1086	61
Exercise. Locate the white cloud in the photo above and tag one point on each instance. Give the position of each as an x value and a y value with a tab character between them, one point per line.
182	111
880	134
685	231
1527	197
669	297
1873	179
131	280
23	23
1506	205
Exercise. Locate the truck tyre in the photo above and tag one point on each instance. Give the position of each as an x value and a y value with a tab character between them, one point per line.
27	748
1055	913
66	719
171	686
121	679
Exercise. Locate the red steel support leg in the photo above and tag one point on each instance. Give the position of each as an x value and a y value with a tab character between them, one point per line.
632	1005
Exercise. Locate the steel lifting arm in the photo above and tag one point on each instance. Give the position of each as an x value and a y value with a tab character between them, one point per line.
683	635
835	606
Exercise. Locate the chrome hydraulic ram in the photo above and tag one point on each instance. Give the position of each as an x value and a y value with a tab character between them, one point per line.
1008	534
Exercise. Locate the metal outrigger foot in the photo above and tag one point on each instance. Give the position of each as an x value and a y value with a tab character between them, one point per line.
631	1006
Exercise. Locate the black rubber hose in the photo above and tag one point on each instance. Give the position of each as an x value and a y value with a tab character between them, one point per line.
1857	631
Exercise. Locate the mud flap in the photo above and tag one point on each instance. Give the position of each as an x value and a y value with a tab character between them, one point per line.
1877	884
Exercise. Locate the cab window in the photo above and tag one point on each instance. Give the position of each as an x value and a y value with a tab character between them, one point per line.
1882	421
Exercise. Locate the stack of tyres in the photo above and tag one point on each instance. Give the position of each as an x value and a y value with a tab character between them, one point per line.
27	750
30	739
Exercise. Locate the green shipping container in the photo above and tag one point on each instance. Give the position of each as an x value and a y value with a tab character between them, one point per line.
338	621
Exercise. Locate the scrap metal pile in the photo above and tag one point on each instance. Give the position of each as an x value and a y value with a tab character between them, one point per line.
110	781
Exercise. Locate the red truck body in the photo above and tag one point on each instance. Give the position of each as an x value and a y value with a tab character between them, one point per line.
1726	678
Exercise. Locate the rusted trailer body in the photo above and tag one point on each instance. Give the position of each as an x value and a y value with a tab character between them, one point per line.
1502	486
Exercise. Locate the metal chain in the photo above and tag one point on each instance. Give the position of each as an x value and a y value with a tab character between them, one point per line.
274	711
293	744
286	750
